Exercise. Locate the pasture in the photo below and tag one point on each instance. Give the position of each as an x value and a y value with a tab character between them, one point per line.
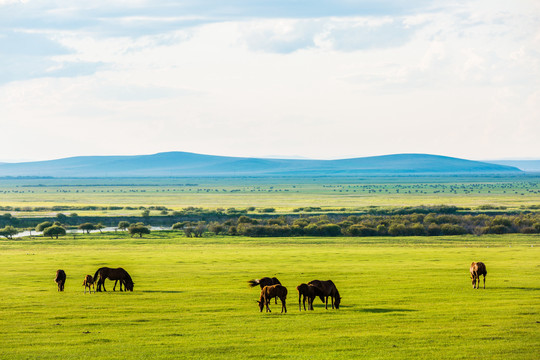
282	193
403	298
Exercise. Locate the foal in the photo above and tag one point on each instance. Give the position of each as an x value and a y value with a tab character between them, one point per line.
89	283
308	292
477	269
273	291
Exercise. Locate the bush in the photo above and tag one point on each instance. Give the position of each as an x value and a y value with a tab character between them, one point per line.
42	226
450	229
8	232
87	227
54	231
138	229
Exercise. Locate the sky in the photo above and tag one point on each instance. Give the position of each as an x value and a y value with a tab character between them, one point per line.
289	78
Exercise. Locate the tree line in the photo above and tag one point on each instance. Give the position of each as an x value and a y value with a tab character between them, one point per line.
394	224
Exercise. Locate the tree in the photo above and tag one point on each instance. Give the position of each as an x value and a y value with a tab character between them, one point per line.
54	231
42	226
100	226
145	213
123	225
139	229
8	232
87	227
179	225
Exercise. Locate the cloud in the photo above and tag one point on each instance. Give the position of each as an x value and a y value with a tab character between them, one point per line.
340	34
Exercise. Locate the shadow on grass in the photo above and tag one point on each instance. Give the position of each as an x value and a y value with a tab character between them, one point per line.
382	311
512	288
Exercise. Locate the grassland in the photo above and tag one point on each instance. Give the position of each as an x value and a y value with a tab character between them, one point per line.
283	194
403	298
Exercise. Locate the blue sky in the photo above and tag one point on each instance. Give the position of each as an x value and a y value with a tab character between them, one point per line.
318	79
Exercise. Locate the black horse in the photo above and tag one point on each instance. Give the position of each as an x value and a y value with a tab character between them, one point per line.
113	274
327	289
60	279
265	281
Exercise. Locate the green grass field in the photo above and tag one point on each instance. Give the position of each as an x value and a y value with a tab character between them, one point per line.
284	194
403	298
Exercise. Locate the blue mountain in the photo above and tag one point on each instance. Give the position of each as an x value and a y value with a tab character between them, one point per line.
179	164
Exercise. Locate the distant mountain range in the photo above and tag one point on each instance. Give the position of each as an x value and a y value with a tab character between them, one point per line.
525	165
180	164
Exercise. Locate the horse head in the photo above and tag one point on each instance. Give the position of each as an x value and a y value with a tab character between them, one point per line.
337	301
261	305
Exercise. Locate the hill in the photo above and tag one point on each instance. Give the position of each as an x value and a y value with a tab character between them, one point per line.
179	164
525	165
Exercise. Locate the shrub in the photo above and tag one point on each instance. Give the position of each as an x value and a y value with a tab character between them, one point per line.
138	229
54	231
42	226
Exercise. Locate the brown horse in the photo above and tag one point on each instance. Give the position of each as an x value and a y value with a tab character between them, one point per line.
273	291
308	292
113	274
60	279
327	289
477	269
265	281
89	283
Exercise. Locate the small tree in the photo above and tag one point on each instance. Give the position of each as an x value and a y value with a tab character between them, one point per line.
123	225
8	232
54	231
42	226
139	229
100	226
87	227
188	231
179	225
145	213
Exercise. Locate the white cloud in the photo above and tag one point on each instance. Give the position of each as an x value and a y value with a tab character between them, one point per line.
460	80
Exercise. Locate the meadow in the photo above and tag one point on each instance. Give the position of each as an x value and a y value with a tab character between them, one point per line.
285	194
403	298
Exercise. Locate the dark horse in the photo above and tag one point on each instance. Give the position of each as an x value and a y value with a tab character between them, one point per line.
477	269
265	281
60	279
327	289
308	292
113	274
273	291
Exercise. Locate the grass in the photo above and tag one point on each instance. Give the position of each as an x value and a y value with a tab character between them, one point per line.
282	193
403	298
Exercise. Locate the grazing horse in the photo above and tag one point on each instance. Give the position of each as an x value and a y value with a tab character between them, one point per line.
60	279
308	292
89	283
477	269
113	274
273	291
327	289
265	281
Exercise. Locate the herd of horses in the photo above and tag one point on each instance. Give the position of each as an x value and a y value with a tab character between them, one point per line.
271	288
99	278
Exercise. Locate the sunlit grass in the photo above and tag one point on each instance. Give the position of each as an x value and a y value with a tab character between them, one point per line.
402	298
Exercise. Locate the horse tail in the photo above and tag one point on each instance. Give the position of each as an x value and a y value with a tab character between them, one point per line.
254	282
96	274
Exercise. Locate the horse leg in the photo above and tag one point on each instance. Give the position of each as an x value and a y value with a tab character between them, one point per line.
484	281
114	287
326	303
299	304
267	302
122	282
283	305
103	283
